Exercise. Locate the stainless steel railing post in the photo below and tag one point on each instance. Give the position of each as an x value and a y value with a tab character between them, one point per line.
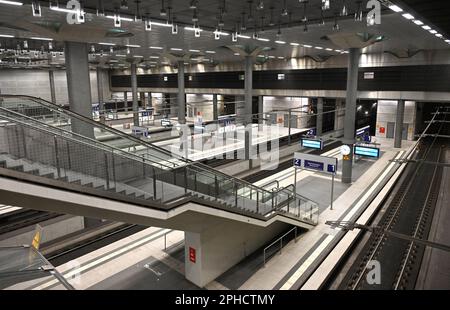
58	168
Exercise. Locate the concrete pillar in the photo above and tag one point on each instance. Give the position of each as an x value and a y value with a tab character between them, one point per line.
134	94
319	119
101	103
150	100
78	84
248	81
143	100
221	245
51	77
260	112
215	108
399	123
181	94
350	112
125	101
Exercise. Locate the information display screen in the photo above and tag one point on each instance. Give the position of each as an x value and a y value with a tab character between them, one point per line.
312	144
367	151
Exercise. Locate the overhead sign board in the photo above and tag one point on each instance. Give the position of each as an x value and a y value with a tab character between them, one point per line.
316	163
312	143
367	151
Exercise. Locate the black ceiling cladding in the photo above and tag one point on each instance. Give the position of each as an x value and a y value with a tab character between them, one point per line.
404	78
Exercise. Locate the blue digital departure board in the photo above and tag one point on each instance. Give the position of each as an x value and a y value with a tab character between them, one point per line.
367	151
312	144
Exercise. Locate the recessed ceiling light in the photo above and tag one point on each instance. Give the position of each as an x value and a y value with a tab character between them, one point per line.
6	36
108	44
328	49
176	49
395	8
11	2
280	42
438	35
271	57
119	55
154	57
294	44
418	22
121	18
237	54
243	36
263	39
132	45
210	52
156	47
408	16
307	46
194	51
193	29
433	31
280	57
318	47
426	27
138	56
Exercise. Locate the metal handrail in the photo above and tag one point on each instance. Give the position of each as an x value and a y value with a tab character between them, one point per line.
132	138
280	239
95	142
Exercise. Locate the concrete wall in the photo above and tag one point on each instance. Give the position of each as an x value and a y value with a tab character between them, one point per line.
282	103
52	229
36	83
386	112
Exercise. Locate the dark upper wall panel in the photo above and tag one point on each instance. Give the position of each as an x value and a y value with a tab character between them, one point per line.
407	78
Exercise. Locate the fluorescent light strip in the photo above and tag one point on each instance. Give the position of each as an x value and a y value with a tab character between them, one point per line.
108	44
418	22
318	48
64	10
408	16
6	36
222	33
132	45
11	2
42	39
438	35
433	31
328	49
307	46
161	24
426	27
154	57
120	55
280	42
156	47
395	8
121	18
192	29
294	44
194	51
243	36
210	52
263	39
176	49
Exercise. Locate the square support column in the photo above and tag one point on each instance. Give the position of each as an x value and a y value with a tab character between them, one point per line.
181	94
399	123
248	104
350	112
134	93
319	118
215	108
78	85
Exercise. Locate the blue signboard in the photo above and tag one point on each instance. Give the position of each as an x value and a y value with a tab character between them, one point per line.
314	165
331	168
363	134
367	151
297	162
312	144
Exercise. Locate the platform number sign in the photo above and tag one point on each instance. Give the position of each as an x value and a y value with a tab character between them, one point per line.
297	162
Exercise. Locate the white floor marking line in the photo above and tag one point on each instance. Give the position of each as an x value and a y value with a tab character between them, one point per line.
303	267
95	263
291	281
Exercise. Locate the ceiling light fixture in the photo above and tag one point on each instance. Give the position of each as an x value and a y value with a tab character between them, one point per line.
395	8
16	3
163	11
41	38
280	42
408	16
325	4
418	22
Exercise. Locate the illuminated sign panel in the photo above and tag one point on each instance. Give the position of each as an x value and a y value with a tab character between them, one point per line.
367	151
312	144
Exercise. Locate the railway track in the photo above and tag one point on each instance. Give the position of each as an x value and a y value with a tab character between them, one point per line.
410	212
23	218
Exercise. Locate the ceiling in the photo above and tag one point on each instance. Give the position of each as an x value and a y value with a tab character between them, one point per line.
320	41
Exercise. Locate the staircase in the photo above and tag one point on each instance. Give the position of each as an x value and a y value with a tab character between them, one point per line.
42	143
